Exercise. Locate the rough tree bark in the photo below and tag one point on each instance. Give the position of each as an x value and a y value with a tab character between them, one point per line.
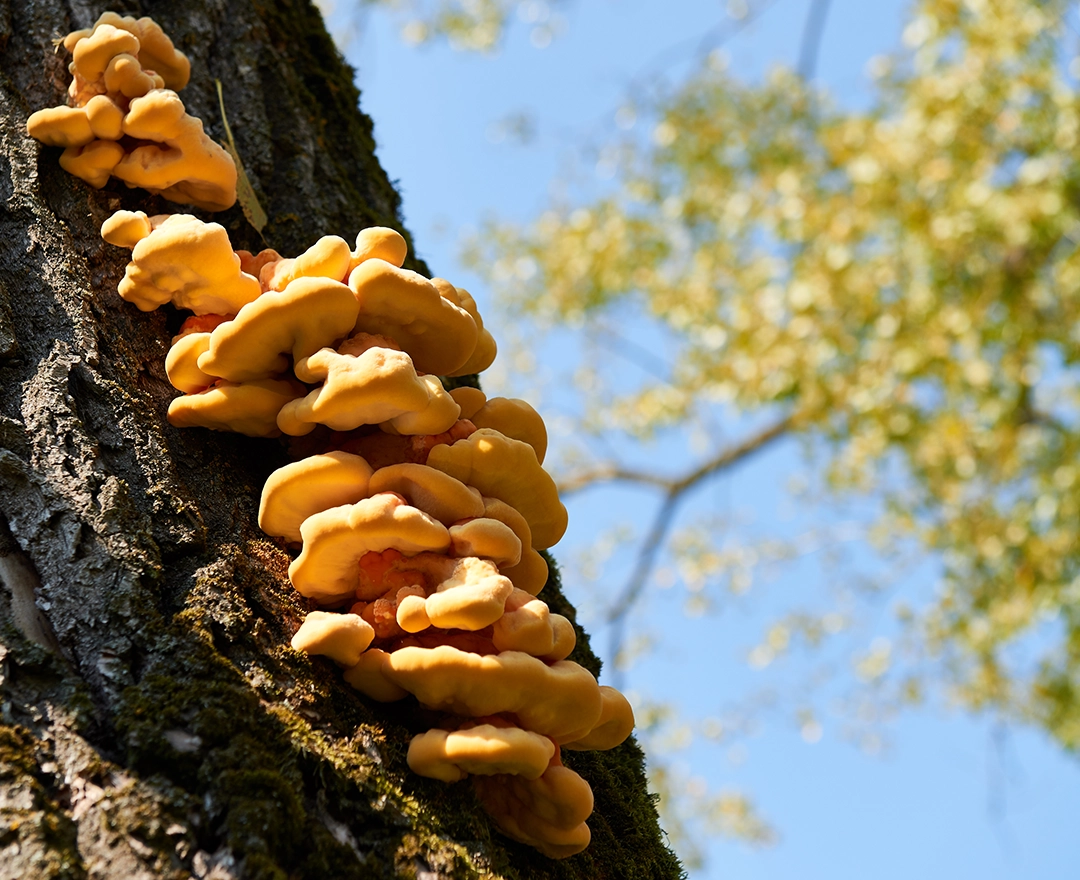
153	721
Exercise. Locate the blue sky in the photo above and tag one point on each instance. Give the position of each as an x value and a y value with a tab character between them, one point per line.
946	796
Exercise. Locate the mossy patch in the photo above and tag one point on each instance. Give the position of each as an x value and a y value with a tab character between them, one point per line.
31	819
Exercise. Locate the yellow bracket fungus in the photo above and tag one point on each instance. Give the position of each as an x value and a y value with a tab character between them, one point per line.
487	538
615	724
154	49
508	470
182	363
561	701
379	243
435	566
124	75
484	750
437	334
249	408
181	260
335	539
329	257
341	637
295	322
313	484
470	596
531	573
438	494
483	354
548	813
376	386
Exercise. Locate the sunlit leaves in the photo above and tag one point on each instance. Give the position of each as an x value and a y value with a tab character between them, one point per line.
473	25
904	281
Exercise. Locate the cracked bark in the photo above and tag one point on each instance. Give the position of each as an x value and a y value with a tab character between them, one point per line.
153	722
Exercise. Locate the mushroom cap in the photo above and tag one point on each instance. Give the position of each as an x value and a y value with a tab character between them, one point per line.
516	419
309	314
153	47
507	469
182	363
469	594
250	408
483	750
615	724
440	413
115	65
341	637
561	701
298	490
469	399
548	813
125	77
565	639
438	335
94	162
379	243
328	258
60	126
411	614
106	117
157	53
487	538
91	54
180	162
432	491
368	677
531	573
191	264
471	597
126	228
524	626
483	354
327	569
373	387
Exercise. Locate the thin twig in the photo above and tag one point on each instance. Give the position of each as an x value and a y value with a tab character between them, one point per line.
811	38
674	489
613	473
610	473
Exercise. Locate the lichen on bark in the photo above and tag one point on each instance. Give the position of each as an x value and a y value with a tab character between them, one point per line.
154	722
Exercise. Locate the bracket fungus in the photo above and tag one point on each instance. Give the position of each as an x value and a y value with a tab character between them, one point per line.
179	259
335	539
248	408
379	385
295	321
507	469
124	119
419	512
438	334
318	482
483	750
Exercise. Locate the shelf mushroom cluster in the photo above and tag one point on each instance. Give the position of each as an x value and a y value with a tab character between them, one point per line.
124	119
419	513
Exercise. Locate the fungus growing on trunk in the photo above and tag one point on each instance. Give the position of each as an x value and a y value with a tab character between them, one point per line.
420	532
124	119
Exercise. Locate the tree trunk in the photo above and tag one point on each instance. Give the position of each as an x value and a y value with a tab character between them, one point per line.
153	720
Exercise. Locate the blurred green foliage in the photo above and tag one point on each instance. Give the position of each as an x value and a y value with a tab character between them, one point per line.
899	286
902	283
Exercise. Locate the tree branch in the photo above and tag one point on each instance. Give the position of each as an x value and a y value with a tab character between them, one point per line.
611	473
811	38
615	473
675	489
